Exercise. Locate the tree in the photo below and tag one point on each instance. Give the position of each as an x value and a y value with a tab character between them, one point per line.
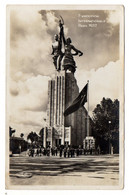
41	134
33	137
11	131
106	124
22	135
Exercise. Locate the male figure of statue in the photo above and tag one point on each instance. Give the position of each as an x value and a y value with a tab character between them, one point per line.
56	48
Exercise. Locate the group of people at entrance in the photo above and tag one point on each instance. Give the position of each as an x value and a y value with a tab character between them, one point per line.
64	60
60	151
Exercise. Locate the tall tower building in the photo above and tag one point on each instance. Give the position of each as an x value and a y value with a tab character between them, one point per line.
62	91
60	130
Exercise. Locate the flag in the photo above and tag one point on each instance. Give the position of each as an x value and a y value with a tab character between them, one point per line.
78	102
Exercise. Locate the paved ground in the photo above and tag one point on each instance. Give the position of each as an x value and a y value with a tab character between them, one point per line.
84	170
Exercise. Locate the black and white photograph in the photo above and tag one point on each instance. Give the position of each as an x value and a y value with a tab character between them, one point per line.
65	97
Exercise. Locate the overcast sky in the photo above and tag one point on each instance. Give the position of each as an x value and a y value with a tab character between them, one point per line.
31	36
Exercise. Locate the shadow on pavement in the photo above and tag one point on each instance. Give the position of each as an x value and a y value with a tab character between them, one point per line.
55	167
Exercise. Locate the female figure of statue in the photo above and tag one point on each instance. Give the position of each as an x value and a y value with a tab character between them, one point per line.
68	60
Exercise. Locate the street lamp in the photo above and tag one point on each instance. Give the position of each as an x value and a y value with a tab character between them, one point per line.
109	135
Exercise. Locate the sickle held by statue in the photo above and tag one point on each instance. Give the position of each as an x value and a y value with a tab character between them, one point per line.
62	20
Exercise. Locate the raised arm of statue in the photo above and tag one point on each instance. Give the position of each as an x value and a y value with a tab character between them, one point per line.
63	38
61	33
60	36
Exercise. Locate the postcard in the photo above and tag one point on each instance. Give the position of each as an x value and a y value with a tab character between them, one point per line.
65	97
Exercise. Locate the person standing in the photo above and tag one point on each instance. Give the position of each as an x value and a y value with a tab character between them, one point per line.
68	151
64	152
60	152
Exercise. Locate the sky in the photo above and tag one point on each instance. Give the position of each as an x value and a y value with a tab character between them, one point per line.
95	32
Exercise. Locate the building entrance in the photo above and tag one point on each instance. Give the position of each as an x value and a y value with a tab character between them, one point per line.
66	143
48	143
58	142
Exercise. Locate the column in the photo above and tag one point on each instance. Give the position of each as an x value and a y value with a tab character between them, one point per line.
51	137
55	102
49	101
52	102
44	138
58	102
63	131
61	102
70	135
63	98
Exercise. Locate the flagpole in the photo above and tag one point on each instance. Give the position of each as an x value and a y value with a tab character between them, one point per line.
88	110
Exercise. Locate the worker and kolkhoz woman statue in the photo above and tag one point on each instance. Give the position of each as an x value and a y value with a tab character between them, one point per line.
64	61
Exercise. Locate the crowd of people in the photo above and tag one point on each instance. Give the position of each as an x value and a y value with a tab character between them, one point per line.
60	151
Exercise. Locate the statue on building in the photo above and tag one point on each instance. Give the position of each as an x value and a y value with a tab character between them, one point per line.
57	48
65	59
68	60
